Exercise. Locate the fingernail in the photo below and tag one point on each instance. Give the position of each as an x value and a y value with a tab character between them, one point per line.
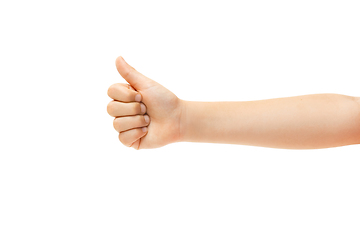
143	108
144	129
138	98
147	119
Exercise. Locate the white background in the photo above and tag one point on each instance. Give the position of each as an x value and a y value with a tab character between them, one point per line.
65	175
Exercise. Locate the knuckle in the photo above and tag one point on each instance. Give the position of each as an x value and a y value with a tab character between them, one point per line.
123	140
112	89
129	73
110	108
116	124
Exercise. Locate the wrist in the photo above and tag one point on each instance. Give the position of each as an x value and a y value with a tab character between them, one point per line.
183	120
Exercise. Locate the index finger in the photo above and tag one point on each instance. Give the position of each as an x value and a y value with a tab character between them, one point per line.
122	93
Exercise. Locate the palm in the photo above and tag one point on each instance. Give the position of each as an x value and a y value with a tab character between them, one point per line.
164	110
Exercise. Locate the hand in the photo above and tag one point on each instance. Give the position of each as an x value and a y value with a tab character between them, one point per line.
147	115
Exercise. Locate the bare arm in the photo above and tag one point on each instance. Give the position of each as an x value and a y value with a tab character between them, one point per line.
301	122
147	115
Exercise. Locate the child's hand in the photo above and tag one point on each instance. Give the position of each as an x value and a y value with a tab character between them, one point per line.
147	115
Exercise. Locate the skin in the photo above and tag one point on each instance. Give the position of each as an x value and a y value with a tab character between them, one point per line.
163	107
147	115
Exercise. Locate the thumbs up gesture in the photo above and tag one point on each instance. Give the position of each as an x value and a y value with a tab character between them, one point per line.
147	115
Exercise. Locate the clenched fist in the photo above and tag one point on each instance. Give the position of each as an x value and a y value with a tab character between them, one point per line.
147	115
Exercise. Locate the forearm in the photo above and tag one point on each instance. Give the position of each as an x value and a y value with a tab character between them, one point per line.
301	122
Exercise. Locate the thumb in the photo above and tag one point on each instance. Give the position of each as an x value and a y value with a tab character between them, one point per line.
133	77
